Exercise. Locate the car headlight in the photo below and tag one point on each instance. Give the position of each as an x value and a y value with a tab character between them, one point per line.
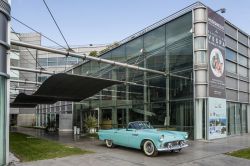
161	138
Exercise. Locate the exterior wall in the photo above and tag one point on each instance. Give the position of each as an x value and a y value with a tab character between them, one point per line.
237	79
237	76
65	123
25	119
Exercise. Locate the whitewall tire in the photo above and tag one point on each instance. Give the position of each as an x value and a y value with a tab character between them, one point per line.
109	143
149	148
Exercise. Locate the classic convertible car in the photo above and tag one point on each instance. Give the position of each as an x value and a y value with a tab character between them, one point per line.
141	135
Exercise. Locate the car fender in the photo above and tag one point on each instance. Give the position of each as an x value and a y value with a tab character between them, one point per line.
147	138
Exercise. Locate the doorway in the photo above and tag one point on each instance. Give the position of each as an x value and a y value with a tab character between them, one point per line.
236	115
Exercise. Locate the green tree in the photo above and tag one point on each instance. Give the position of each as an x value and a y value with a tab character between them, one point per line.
93	53
109	47
91	124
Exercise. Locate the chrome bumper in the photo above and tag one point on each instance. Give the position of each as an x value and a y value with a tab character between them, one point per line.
176	147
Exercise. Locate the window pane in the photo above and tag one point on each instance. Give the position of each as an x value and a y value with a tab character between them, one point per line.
242	38
231	31
71	60
242	49
157	60
43	61
231	83
243	71
52	61
231	67
242	60
231	43
231	55
118	54
154	39
61	61
179	43
42	78
133	50
179	29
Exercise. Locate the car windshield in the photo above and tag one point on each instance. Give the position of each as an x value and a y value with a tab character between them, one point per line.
140	125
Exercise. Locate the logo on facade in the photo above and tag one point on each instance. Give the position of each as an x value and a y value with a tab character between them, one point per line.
217	62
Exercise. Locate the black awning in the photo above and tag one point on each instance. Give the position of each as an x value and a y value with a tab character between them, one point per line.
63	87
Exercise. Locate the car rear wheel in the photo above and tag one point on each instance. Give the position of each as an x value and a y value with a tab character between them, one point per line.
109	143
149	148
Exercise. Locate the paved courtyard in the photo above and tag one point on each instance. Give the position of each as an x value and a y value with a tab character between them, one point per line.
207	153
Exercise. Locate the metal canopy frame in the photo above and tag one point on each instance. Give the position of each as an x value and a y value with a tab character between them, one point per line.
83	56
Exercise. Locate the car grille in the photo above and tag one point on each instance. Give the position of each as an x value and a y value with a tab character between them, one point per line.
174	143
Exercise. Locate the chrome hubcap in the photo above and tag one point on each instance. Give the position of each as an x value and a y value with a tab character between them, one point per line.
149	148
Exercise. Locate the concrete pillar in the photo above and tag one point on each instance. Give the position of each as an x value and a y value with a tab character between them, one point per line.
127	97
248	118
182	116
200	67
4	83
114	100
145	92
36	116
167	118
114	117
46	115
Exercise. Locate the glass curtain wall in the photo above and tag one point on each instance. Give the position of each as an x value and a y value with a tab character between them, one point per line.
2	119
237	118
144	96
179	44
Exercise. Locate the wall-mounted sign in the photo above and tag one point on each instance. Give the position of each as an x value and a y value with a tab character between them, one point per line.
217	118
216	54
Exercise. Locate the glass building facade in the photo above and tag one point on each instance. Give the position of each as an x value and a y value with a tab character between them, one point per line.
146	96
178	46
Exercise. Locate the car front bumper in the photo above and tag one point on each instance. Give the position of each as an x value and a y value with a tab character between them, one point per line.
175	147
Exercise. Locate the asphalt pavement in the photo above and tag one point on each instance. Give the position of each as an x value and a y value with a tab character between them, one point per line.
199	153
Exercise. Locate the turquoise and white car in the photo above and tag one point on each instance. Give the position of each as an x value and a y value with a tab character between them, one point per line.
141	135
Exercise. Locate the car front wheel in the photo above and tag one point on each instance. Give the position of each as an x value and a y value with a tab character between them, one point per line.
109	143
149	148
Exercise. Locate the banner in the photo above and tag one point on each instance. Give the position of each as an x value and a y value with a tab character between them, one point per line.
216	54
216	113
217	118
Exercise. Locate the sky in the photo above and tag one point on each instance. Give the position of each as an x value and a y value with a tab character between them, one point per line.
86	22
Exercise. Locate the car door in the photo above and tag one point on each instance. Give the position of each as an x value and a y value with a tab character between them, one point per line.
120	137
134	138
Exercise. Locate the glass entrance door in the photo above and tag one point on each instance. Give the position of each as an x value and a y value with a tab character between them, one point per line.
237	119
236	115
230	117
244	117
